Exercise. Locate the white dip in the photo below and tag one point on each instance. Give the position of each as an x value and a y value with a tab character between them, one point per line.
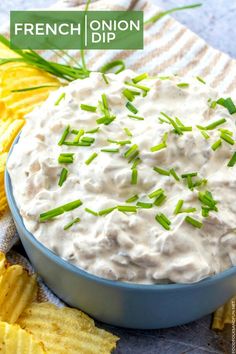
131	246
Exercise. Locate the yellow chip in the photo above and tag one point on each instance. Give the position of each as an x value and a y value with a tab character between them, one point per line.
9	135
3	263
65	330
15	79
15	340
17	291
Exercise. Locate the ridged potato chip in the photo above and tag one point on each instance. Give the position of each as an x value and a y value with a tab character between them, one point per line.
27	77
65	330
3	263
15	105
17	291
14	340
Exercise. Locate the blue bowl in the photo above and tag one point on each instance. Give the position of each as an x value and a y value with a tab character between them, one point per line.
118	303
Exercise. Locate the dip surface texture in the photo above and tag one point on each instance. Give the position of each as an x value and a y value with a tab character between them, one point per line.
152	241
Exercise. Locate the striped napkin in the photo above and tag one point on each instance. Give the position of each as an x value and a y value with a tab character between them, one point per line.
170	48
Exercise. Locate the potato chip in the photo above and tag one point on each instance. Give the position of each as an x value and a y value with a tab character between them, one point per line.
9	135
15	79
15	340
17	291
65	330
3	263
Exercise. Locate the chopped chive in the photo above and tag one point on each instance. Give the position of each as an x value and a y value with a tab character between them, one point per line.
74	131
60	210
127	208
164	77
201	80
174	174
128	132
193	222
132	199
216	145
135	117
144	205
173	123
91	158
92	131
64	135
87	107
232	161
178	207
136	162
71	223
160	199
214	124
227	138
226	131
90	211
131	151
188	210
156	193
228	104
87	139
163	221
63	176
105	120
178	121
72	143
134	157
106	211
207	199
134	176
145	89
191	174
121	142
131	108
205	212
140	78
161	171
183	85
61	97
104	101
78	136
158	147
66	158
110	150
213	105
204	134
105	78
130	94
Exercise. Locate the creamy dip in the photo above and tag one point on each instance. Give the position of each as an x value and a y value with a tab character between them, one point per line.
148	243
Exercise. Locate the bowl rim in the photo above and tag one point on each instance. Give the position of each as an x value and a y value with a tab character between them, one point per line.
79	271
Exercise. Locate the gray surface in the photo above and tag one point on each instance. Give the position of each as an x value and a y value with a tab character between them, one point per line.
215	22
